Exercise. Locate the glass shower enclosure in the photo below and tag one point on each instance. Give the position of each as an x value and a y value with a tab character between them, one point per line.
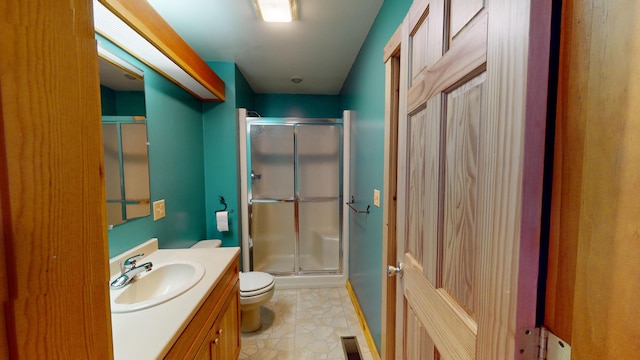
294	170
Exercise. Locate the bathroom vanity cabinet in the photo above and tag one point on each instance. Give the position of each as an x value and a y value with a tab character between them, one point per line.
223	339
214	331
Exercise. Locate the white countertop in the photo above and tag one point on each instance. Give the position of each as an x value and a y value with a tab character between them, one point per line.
150	333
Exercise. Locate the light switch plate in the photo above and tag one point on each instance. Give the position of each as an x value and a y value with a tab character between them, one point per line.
376	197
158	210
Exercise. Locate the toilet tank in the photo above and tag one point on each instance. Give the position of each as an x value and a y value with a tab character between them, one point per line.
207	244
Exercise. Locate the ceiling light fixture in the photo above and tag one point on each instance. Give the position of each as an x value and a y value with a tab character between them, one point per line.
277	10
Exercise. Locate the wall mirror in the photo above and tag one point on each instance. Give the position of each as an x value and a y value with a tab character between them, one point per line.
124	132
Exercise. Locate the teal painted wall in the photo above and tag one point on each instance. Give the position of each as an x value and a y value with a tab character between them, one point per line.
220	152
293	105
245	97
121	102
108	101
176	157
130	103
363	92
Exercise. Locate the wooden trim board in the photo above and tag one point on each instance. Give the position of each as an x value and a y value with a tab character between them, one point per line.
52	188
5	233
363	322
594	271
146	21
401	179
393	46
389	193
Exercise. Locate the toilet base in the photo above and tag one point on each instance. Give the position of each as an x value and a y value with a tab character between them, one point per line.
251	320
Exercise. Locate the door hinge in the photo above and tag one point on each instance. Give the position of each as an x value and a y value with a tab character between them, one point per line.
541	344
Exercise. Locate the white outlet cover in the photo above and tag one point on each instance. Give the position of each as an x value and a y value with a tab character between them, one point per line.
158	210
376	197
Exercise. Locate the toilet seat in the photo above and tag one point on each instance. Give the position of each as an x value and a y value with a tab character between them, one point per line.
255	283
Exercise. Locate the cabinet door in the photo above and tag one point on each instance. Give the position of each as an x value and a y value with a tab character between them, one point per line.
214	342
210	347
229	332
223	339
205	352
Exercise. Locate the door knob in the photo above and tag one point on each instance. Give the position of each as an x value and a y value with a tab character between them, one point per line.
393	270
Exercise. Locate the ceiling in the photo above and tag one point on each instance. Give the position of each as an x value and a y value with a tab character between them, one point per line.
319	47
117	78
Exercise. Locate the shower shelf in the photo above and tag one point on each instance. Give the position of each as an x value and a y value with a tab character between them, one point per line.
352	202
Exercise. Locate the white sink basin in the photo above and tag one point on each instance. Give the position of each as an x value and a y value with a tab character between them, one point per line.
157	286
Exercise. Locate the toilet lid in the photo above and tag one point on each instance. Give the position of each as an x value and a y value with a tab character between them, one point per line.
254	283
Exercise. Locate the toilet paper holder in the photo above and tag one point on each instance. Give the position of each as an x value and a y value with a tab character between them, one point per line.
223	202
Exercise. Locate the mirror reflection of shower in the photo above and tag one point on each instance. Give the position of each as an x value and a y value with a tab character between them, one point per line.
295	195
124	130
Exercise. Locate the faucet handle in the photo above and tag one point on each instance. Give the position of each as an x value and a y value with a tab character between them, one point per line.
129	263
132	260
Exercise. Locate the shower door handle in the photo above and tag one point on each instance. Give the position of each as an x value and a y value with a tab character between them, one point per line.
393	270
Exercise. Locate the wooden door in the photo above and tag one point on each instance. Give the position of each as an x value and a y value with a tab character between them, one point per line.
470	154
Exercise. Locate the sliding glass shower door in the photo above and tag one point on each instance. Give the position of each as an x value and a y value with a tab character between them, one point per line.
271	197
295	195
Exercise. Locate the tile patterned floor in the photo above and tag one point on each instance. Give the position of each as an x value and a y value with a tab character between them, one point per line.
305	324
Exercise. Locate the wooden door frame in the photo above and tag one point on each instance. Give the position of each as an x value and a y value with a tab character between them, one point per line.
391	59
593	252
5	233
52	195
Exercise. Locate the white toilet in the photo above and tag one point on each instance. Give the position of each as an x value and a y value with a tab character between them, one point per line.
256	289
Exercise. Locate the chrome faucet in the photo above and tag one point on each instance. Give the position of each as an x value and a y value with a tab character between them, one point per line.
129	270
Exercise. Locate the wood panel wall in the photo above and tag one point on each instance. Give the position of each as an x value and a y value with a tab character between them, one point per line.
52	193
594	271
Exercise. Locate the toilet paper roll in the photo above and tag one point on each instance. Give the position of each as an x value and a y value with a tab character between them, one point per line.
222	220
